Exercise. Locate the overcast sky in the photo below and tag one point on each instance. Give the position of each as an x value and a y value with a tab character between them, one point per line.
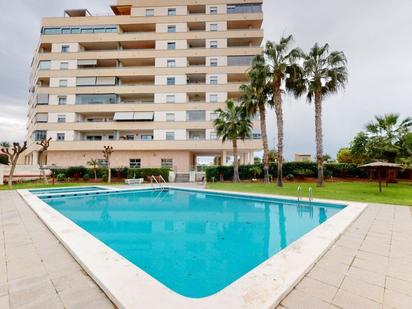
376	36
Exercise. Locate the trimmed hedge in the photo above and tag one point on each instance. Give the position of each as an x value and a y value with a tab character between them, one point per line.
144	172
77	172
4	159
297	169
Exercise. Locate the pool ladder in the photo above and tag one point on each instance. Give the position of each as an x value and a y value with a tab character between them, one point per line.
159	184
299	193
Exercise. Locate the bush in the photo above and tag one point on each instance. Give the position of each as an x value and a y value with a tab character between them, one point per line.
290	177
105	177
76	172
144	172
86	177
4	159
297	169
61	177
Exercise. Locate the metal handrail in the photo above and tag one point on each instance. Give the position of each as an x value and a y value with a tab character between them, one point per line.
299	192
310	194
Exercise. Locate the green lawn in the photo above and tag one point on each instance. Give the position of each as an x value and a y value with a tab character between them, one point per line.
35	185
399	194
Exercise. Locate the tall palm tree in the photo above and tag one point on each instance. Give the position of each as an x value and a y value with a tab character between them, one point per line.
283	65
324	73
254	98
233	124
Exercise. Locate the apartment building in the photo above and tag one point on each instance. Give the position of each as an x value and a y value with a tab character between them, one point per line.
145	79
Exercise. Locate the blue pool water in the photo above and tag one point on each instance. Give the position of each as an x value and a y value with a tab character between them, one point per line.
193	242
66	190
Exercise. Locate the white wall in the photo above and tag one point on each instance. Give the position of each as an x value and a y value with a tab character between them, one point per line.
221	8
162	62
159	11
70	117
57	47
160	135
162	79
180	44
161	116
71	81
54	99
180	27
221	25
55	64
69	135
221	60
221	78
179	97
222	96
221	43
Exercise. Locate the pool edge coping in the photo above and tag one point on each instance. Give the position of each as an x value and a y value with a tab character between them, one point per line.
263	287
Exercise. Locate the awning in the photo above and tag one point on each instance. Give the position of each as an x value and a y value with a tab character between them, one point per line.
133	116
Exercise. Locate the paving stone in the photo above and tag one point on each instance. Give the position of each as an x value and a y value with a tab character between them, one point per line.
364	289
398	285
367	276
326	276
301	300
348	300
4	302
397	300
317	289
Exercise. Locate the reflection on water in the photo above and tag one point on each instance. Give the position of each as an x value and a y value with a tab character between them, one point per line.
194	243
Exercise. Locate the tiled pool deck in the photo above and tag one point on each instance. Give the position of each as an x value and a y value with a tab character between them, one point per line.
370	266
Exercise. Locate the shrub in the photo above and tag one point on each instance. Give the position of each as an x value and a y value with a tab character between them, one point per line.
144	172
86	177
61	177
76	172
4	159
105	177
290	177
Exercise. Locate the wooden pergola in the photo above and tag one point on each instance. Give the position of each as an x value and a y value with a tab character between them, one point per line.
382	169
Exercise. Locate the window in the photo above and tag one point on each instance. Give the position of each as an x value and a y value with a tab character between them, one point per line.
129	137
239	60
145	137
213	44
170	98
213	80
39	135
213	98
94	138
42	99
171	12
213	10
244	8
63	83
196	115
102	162
64	65
44	65
65	48
96	99
62	100
170	117
213	27
171	63
213	116
135	163
171	28
166	163
213	62
149	12
171	81
61	118
171	45
213	136
60	136
170	136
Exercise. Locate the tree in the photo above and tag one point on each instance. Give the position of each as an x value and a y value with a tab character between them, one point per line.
233	124
44	144
283	70
358	148
324	74
254	98
93	163
5	144
273	156
107	153
344	155
13	155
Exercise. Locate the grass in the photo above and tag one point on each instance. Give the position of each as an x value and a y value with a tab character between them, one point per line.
35	185
399	194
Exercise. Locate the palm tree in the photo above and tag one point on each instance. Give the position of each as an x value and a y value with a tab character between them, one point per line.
324	74
283	66
93	163
254	99
233	124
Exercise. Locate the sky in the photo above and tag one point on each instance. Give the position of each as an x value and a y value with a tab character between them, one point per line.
375	35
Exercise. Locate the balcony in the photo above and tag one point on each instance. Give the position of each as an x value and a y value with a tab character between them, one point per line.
138	28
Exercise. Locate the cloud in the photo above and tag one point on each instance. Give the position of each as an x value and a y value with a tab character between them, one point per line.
374	34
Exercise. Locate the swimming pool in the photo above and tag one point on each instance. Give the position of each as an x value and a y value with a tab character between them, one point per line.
66	190
194	242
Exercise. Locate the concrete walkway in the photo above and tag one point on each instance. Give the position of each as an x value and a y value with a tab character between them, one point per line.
370	266
36	271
